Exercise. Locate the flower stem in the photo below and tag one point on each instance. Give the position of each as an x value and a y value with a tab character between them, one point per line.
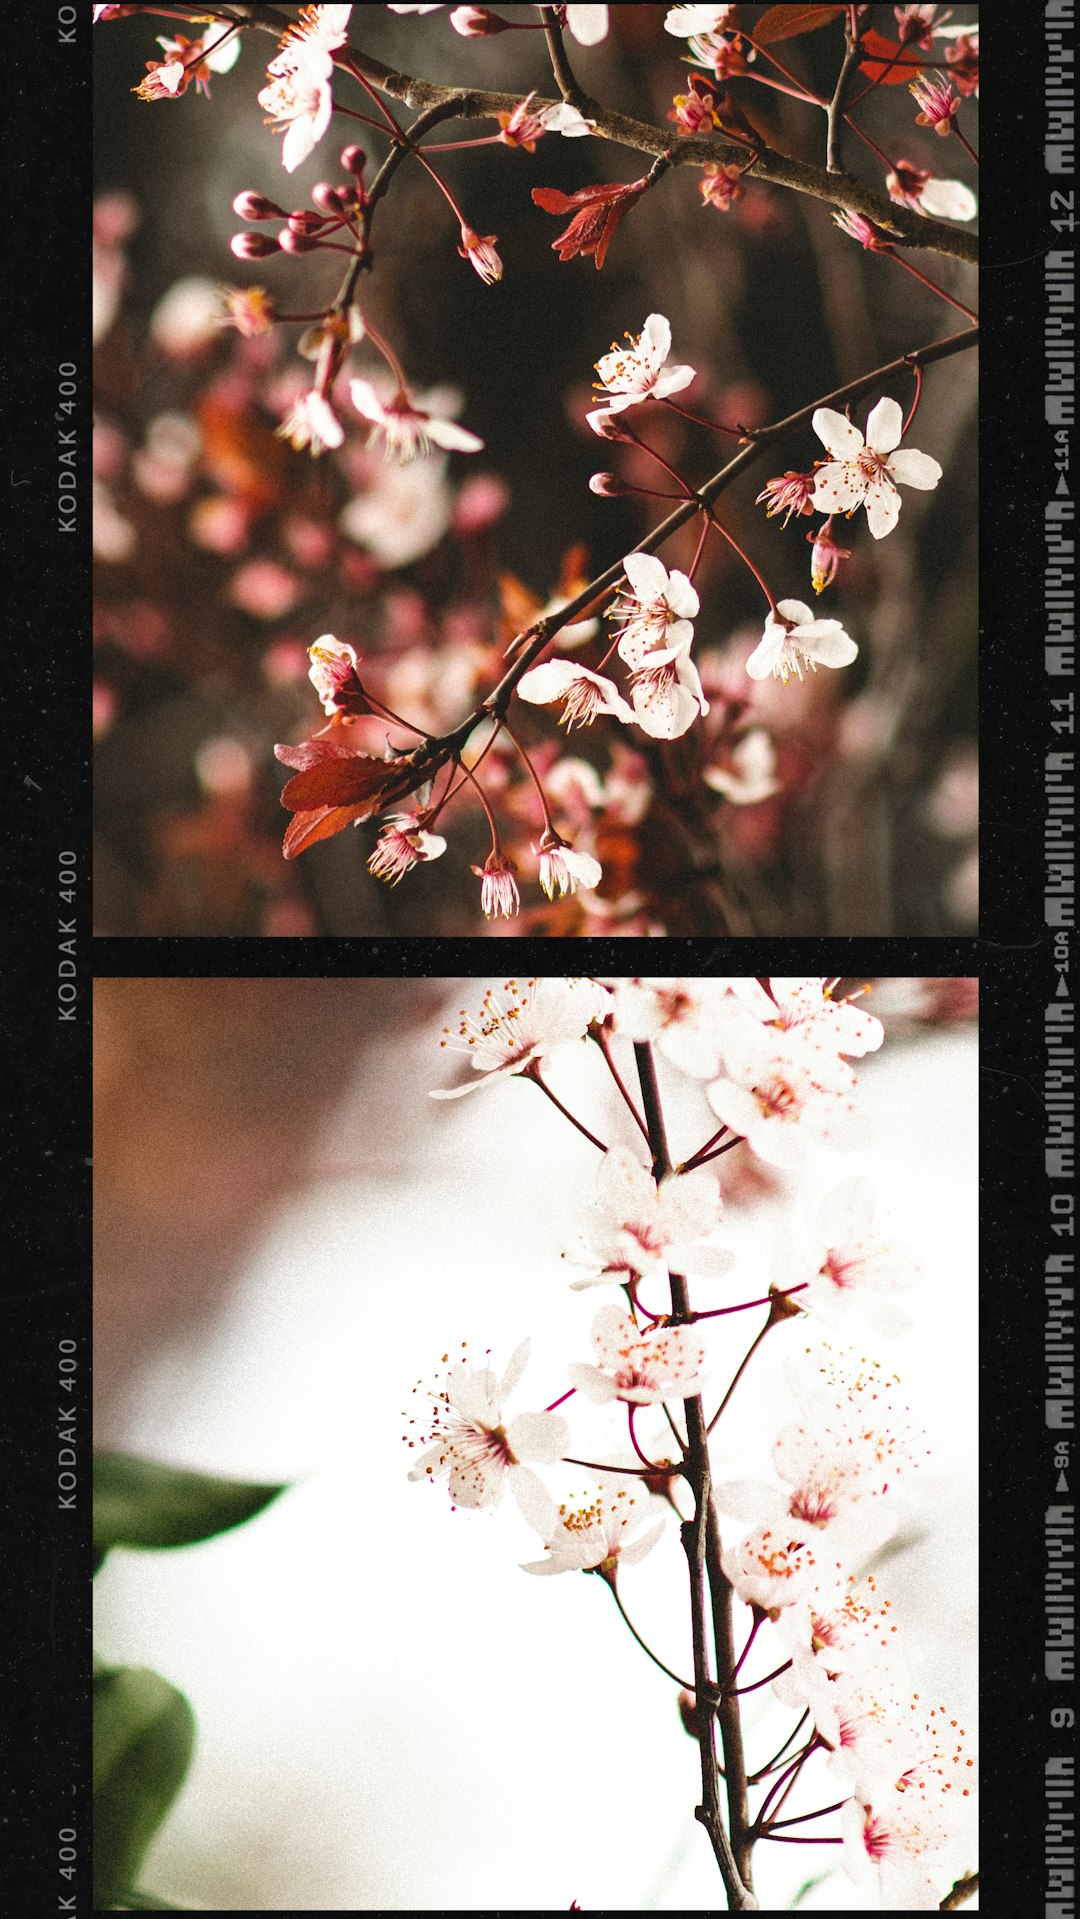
684	1683
722	1408
966	144
718	1312
732	541
532	1071
604	1044
934	288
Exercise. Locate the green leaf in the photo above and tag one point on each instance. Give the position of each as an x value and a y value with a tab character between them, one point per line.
140	1503
144	1732
145	1902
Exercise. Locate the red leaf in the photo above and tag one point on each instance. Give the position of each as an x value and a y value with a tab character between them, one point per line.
313	753
357	781
881	69
318	824
783	23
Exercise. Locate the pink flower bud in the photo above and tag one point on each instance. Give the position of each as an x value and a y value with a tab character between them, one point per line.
291	242
608	485
474	22
252	246
354	160
255	206
326	197
304	222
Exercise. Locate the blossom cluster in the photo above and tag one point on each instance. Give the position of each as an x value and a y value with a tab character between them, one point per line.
651	671
773	1057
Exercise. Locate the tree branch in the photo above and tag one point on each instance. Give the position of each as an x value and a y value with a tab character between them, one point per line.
696	1469
434	753
836	105
910	228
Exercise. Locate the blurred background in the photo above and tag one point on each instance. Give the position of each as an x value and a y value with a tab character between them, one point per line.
222	553
290	1236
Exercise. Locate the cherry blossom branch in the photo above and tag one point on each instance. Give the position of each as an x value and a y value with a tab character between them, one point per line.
837	189
533	642
696	1470
728	1713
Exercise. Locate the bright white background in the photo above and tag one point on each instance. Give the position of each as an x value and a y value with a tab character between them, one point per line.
391	1714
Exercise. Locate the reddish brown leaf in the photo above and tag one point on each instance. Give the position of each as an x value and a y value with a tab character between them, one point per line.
318	824
783	23
314	753
357	780
882	68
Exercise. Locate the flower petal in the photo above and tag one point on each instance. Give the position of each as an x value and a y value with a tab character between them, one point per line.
885	426
837	488
948	200
647	575
516	1365
882	506
914	469
681	596
542	1436
447	433
837	434
656	337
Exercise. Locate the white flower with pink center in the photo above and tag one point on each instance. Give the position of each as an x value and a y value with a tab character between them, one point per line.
687	1019
779	1090
600	1536
638	372
312	422
898	1823
333	666
912	186
656	611
750	773
640	1367
403	844
476	1448
841	1623
864	1716
407	429
585	695
299	101
668	697
641	1228
864	472
771	1568
885	1842
807	1006
854	1440
796	641
523	1023
563	869
844	1260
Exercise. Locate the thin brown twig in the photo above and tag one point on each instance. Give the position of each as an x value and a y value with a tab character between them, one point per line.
836	105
